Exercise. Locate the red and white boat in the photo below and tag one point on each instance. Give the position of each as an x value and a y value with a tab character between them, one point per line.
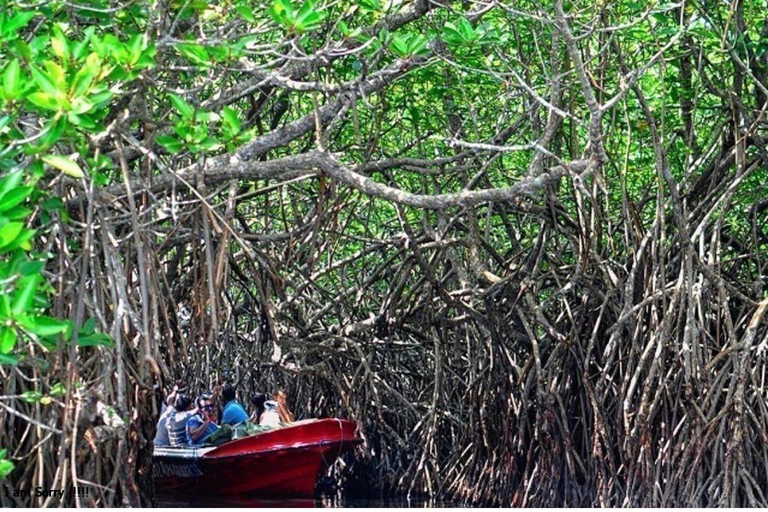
284	462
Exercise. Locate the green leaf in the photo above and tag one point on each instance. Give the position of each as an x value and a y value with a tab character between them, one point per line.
57	76
64	164
246	12
7	340
305	10
417	46
45	82
101	99
53	204
59	44
182	107
17	213
195	53
14	197
22	240
399	46
210	144
452	34
43	325
11	79
7	359
20	20
98	339
45	100
89	327
282	12
231	119
9	232
82	81
466	30
10	182
81	106
82	121
54	133
135	45
25	294
31	267
369	5
58	389
31	396
172	144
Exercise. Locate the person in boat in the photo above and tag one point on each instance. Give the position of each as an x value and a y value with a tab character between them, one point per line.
234	413
201	424
177	422
258	402
161	435
286	416
265	411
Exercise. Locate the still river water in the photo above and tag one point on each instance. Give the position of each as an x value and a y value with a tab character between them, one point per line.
373	501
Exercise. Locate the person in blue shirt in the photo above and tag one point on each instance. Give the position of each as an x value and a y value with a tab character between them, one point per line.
234	413
201	425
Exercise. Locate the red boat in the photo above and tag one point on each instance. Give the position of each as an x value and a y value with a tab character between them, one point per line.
284	462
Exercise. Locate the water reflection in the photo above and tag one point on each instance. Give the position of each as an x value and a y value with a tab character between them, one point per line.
334	501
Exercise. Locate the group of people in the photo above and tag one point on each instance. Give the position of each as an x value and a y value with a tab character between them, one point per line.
187	422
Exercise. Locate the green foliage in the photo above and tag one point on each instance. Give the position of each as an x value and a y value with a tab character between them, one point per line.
409	46
297	21
463	33
6	466
67	80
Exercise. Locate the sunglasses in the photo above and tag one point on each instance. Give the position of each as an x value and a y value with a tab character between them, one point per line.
207	407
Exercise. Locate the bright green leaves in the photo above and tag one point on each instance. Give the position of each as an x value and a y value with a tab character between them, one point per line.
34	396
13	234
25	293
56	82
12	80
205	57
409	46
246	12
464	34
193	129
11	25
65	165
23	289
195	53
232	129
76	83
294	21
347	32
75	94
6	466
123	61
45	326
9	231
182	107
171	144
369	5
7	340
232	123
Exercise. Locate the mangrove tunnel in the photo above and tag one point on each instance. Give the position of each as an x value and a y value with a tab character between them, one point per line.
523	244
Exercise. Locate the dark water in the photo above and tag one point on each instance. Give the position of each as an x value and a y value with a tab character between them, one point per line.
336	501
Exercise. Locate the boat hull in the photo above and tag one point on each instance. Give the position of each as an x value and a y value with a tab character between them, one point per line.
281	463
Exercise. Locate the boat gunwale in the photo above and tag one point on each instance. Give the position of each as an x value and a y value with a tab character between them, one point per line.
295	446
